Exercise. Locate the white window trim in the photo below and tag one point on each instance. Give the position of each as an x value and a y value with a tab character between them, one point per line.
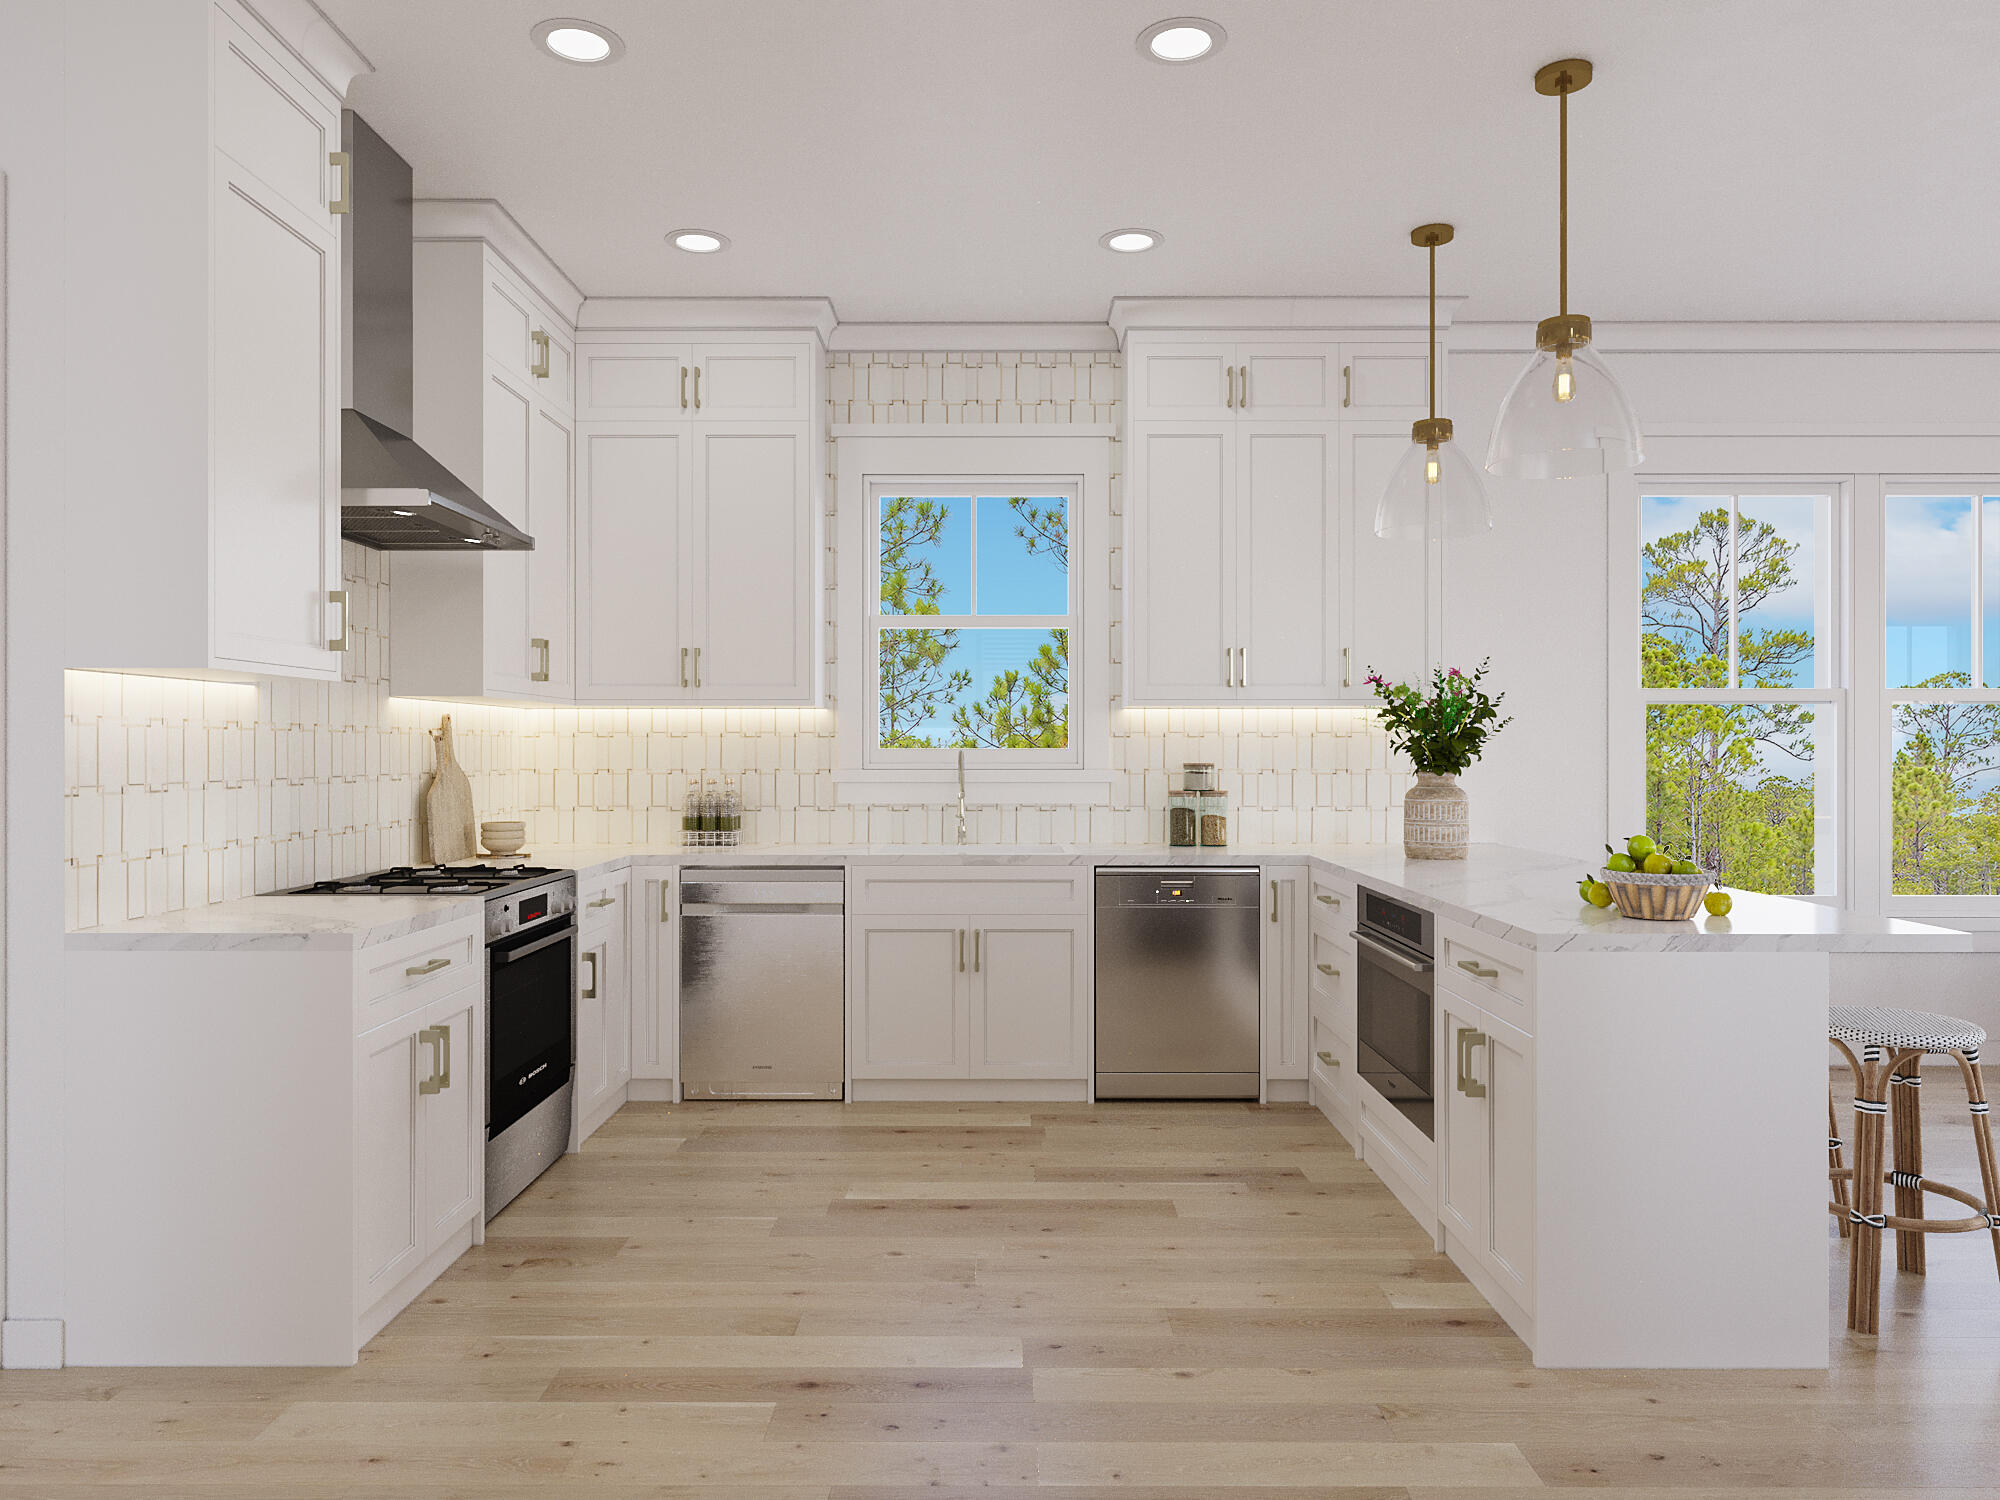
957	457
1628	700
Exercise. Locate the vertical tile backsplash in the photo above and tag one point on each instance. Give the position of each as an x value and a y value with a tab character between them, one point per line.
182	792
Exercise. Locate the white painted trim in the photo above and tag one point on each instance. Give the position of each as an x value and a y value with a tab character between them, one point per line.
1235	315
707	314
31	1344
1741	338
982	338
311	36
973	429
979	452
487	220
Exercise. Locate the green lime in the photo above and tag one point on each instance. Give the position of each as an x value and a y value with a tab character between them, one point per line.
1623	863
1599	894
1639	846
1685	867
1656	864
1718	903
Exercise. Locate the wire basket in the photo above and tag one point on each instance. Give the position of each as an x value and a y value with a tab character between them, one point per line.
1657	898
710	838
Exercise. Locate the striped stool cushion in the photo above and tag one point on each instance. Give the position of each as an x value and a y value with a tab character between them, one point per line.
1879	1026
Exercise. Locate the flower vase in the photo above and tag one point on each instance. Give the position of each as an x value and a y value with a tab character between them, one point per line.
1435	822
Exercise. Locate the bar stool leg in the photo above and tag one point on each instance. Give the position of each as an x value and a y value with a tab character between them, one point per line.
1842	1193
1982	1137
1864	1263
1907	1123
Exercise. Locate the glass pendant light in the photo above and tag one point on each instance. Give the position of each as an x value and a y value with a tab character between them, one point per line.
1435	468
1565	418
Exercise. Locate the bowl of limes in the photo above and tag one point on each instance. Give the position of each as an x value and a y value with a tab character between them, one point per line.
1645	881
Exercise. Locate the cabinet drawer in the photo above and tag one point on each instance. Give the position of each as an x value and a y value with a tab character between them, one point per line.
1492	974
1333	1008
1332	905
921	890
399	976
1332	960
1332	1063
601	899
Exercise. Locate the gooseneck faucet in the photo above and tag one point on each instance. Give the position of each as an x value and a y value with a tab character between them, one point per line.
961	796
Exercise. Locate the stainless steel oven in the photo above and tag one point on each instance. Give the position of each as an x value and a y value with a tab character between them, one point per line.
530	1034
1395	993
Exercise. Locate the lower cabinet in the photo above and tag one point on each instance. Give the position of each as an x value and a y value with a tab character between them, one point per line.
603	1005
1486	1146
656	962
969	996
420	1128
1285	991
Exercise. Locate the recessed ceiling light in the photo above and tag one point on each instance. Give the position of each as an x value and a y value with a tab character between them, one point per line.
699	241
1184	39
1130	241
577	41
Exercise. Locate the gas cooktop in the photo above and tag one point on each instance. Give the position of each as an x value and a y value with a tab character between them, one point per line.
429	880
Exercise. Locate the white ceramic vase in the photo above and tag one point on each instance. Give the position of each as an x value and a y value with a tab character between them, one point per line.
1435	821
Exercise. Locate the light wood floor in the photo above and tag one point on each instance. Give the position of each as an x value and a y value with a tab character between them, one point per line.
788	1302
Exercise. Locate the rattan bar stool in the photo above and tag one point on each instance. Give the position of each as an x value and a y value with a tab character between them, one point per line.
1887	1077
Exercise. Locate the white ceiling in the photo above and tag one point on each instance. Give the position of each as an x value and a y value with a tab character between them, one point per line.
956	160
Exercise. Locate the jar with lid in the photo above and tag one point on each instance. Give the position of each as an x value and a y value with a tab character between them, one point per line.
1198	776
1183	818
1215	820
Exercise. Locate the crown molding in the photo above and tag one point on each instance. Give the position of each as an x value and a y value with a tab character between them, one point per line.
487	220
309	33
1197	314
1746	338
976	338
707	314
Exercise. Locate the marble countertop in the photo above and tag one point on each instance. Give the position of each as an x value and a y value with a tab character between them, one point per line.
1520	896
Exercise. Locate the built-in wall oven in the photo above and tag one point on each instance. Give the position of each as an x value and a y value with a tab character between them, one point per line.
530	1034
1396	950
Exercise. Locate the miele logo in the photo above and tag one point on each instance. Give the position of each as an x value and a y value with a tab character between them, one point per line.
533	1071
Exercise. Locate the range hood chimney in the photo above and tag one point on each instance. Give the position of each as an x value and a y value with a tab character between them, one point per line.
393	494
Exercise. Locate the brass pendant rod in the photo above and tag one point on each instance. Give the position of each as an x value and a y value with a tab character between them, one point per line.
1562	200
1433	351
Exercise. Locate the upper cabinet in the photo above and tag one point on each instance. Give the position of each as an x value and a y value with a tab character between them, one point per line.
205	518
494	392
698	518
1254	574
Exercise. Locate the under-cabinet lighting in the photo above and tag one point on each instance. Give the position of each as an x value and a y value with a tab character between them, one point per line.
576	41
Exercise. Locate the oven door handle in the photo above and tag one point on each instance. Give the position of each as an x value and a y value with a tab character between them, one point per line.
1381	949
509	955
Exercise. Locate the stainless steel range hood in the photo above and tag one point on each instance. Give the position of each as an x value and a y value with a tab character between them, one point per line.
393	494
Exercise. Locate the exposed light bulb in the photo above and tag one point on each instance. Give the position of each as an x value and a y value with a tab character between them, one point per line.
1431	471
1565	386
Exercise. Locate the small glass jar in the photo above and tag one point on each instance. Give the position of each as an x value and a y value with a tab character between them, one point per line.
732	806
1183	819
691	809
1198	776
711	806
1215	820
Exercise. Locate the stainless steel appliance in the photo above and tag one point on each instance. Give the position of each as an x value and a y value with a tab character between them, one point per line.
1178	962
530	1004
763	983
1394	990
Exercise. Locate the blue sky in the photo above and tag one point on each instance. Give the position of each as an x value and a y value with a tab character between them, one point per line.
1929	559
1793	516
1011	581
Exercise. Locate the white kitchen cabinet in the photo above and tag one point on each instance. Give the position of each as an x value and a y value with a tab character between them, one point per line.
1253	571
656	958
1285	991
212	523
603	1005
1486	1148
698	521
1389	380
492	402
964	980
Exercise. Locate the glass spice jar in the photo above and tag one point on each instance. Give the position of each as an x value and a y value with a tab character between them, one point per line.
1183	819
1215	820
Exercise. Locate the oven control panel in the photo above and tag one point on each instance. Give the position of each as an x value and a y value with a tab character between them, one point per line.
517	911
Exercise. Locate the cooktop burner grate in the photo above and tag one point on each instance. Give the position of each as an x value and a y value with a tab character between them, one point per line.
428	880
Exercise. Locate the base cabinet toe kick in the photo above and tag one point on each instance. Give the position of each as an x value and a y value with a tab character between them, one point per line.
1625	1159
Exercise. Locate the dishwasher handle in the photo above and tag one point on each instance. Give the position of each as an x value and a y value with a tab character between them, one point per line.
762	909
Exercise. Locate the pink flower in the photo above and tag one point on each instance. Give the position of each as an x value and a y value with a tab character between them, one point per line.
1454	672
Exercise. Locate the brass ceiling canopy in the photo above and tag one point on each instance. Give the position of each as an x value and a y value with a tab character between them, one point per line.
1564	77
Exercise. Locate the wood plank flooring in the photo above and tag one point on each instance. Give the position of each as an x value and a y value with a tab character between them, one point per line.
886	1302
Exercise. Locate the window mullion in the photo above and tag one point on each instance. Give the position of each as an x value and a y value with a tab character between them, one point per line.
1735	582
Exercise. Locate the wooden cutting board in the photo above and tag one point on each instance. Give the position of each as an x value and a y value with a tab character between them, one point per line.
448	803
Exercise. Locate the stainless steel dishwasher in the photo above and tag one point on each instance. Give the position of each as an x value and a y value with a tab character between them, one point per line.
763	983
1178	960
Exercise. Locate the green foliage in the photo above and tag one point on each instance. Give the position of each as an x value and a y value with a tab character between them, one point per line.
1945	832
1442	731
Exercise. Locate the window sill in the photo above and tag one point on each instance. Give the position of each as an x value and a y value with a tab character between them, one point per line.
933	786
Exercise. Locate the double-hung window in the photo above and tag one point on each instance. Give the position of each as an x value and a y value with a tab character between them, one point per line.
972	623
1941	675
1741	681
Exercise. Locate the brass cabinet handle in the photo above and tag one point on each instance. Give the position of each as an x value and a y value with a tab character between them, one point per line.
666	900
344	204
1347	666
1347	385
604	901
684	666
975	949
432	967
1229	663
338	597
1329	970
697	650
1243	665
591	993
1229	371
538	644
684	387
539	368
1243	401
1329	1059
438	1038
961	950
1471	966
1326	900
1469	1086
697	387
1274	901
